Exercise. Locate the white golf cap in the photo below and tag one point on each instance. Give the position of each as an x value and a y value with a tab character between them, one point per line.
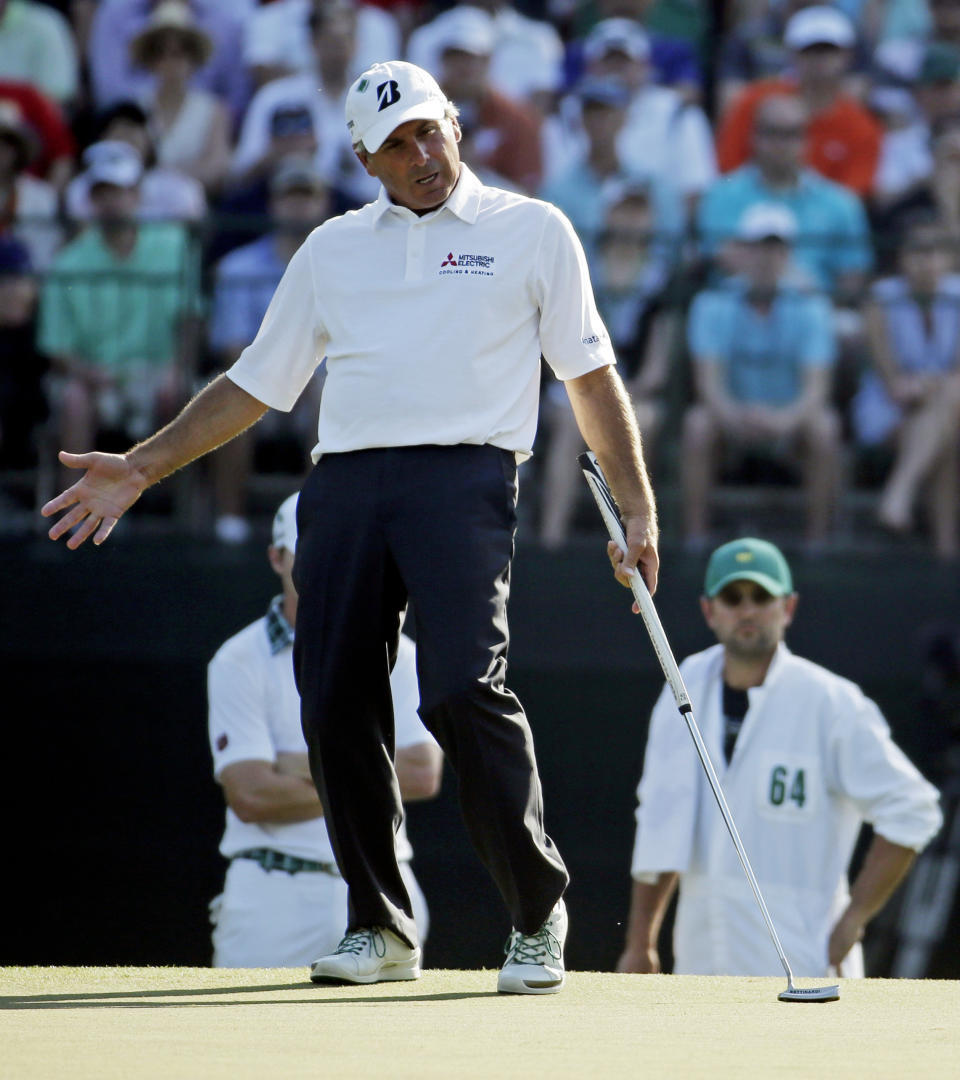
388	95
819	25
617	35
285	524
112	162
468	29
766	221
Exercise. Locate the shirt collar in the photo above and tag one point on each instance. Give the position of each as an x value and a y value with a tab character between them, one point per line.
804	179
279	631
464	201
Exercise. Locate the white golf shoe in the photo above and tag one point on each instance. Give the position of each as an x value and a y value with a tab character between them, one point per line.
368	956
534	963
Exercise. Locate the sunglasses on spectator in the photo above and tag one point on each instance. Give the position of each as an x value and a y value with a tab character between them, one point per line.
172	46
734	595
781	131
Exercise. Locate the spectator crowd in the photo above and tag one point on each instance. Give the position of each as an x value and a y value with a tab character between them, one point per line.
769	204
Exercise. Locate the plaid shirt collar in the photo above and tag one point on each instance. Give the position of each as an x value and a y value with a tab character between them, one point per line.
279	631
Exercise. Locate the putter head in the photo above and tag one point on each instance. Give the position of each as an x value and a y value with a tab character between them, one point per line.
813	993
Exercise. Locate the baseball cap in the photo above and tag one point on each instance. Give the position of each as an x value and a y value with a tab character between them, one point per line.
285	523
748	559
819	25
468	29
296	174
388	95
112	162
766	221
617	35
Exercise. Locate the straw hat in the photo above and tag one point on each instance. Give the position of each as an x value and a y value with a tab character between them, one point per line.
171	17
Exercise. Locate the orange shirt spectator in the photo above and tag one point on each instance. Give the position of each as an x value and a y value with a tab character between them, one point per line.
843	141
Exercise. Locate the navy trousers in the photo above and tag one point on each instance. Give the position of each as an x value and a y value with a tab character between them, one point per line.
433	525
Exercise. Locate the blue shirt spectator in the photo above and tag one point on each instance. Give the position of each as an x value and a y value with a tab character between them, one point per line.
246	280
595	173
764	354
833	236
763	348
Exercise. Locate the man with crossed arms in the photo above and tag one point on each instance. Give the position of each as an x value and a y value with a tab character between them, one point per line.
804	758
433	306
283	901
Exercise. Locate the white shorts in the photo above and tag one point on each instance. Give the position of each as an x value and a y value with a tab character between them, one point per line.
269	918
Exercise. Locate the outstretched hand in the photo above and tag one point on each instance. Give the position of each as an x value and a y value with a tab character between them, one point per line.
108	488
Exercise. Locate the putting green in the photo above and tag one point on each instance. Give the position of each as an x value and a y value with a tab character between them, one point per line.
173	1023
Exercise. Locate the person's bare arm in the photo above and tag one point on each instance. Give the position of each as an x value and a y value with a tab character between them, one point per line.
608	423
112	483
648	906
256	791
786	420
419	771
878	343
884	867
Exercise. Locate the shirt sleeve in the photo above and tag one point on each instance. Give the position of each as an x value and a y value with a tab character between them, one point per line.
405	689
667	795
254	136
573	338
819	343
872	771
235	698
290	343
852	249
708	326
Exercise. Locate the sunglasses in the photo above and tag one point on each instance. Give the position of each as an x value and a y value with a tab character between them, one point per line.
734	595
781	131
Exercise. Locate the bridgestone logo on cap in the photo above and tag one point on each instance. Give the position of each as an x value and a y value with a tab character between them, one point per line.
388	93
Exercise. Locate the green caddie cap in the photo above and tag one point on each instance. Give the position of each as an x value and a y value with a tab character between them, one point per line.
749	559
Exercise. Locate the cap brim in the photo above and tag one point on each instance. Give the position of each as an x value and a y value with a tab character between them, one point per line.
377	133
773	587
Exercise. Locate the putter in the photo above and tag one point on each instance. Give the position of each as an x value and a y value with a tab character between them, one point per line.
608	511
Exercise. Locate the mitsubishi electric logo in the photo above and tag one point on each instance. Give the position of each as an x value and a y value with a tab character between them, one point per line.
476	265
388	93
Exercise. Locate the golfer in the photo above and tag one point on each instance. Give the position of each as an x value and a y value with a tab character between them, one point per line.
433	306
804	759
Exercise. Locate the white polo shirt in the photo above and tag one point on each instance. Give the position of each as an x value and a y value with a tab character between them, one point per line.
254	714
432	326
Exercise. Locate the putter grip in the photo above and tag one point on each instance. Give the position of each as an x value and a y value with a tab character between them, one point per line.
611	517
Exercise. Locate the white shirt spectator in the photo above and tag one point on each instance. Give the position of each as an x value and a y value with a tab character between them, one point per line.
527	58
299	100
277	35
36	225
663	138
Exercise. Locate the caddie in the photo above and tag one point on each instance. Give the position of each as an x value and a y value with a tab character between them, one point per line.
283	901
804	759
